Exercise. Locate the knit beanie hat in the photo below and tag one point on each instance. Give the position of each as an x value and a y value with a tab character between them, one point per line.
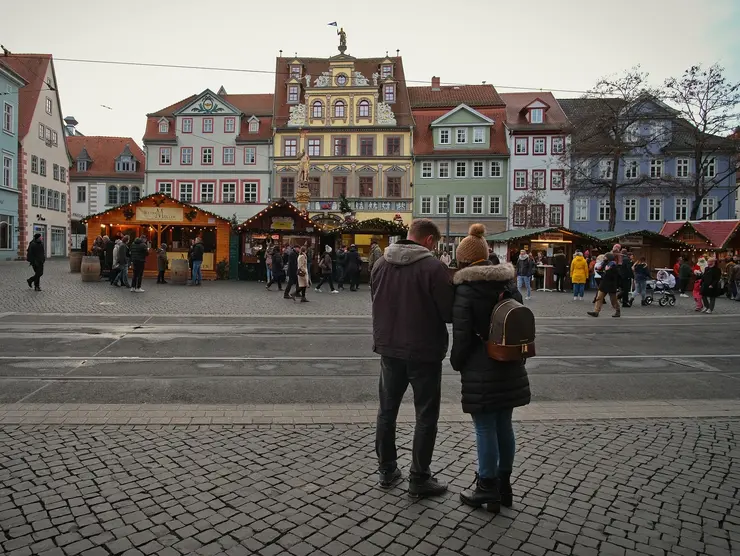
474	247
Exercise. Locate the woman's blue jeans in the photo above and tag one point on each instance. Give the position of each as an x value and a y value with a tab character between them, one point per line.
495	441
578	290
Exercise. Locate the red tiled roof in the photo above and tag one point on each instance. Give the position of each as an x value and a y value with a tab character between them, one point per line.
259	105
366	66
32	68
103	151
424	139
718	232
264	133
450	96
555	118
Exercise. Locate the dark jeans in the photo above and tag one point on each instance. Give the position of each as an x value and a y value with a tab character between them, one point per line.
102	264
301	292
160	277
340	277
278	281
495	442
626	289
354	279
291	282
708	302
38	272
326	278
138	274
683	283
559	279
426	381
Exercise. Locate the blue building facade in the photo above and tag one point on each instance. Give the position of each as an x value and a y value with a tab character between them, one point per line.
655	181
10	83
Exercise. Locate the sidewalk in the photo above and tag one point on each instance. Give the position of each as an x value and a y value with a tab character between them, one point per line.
583	487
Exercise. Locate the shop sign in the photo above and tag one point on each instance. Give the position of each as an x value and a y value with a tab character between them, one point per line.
282	223
632	240
551	236
159	214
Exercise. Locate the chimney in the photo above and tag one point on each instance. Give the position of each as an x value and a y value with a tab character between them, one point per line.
70	125
435	84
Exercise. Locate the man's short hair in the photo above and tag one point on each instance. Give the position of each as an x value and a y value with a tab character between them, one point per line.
423	227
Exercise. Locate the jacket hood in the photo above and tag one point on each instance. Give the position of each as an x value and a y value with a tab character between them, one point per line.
485	273
137	240
404	253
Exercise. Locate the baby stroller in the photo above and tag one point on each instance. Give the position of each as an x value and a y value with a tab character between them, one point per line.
663	290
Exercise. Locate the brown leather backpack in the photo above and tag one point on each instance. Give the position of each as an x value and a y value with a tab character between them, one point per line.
511	336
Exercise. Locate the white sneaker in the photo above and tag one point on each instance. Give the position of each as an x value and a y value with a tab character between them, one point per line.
575	299
318	290
529	297
683	295
133	289
334	291
140	290
709	311
705	310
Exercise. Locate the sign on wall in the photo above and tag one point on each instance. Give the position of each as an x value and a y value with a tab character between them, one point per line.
159	214
282	223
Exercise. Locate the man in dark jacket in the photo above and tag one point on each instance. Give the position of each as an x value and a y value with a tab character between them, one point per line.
339	267
110	245
559	269
626	274
36	256
292	272
608	286
412	301
352	265
525	266
198	251
277	272
139	251
684	276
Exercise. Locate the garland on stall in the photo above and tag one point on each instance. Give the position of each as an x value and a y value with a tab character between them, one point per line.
158	199
374	225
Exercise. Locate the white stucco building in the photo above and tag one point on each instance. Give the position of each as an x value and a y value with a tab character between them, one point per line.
537	136
212	150
43	160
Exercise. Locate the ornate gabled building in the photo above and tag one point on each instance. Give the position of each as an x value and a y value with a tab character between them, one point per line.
212	150
105	172
352	117
460	151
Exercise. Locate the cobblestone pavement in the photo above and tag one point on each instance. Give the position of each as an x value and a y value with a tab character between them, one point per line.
66	293
587	488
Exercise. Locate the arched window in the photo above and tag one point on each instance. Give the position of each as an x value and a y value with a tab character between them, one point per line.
135	193
339	109
317	110
364	109
112	195
123	195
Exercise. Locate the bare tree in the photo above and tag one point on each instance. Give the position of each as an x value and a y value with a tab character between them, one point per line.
528	210
709	107
622	117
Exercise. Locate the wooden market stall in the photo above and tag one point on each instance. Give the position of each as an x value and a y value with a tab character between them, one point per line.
659	250
161	219
361	234
720	238
281	223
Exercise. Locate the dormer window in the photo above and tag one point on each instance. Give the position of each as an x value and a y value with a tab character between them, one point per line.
82	165
125	164
389	92
386	70
295	71
254	125
536	115
164	126
293	94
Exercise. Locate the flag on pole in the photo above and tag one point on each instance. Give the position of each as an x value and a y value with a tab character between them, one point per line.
333	24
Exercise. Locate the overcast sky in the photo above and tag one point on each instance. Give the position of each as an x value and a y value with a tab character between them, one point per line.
530	44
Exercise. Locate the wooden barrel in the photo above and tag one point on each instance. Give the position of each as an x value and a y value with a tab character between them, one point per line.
75	261
179	271
90	269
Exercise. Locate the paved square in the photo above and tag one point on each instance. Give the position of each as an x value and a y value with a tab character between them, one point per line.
598	487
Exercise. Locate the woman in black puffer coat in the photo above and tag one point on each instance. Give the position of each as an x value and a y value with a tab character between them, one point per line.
490	389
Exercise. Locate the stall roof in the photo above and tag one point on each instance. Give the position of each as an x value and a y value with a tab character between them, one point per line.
509	235
717	233
163	196
282	203
608	237
372	226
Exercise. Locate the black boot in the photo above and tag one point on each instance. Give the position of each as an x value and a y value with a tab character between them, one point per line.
486	494
504	488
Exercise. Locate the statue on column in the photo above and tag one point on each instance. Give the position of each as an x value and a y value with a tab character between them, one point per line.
342	40
304	167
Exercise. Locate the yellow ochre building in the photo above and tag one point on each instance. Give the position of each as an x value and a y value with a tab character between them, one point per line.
352	118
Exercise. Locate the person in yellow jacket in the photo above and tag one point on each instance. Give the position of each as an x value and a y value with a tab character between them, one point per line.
578	275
